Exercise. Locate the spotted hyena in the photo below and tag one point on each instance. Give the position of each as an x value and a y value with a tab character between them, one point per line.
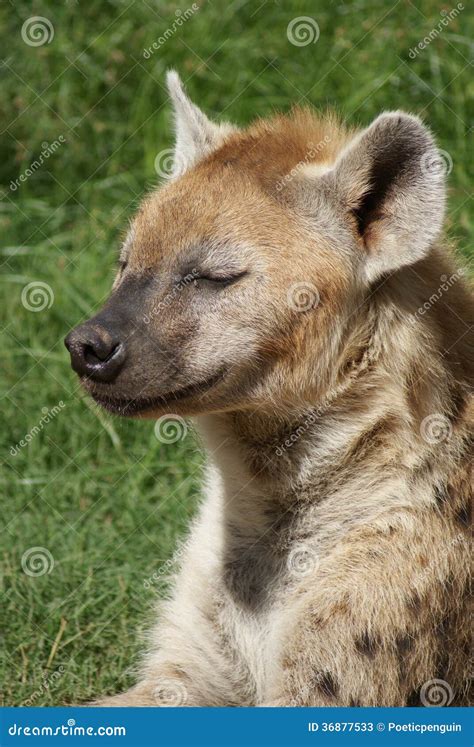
289	288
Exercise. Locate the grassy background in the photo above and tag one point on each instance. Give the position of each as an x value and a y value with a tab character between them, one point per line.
104	496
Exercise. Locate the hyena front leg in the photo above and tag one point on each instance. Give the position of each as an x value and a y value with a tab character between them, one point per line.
373	628
187	663
185	666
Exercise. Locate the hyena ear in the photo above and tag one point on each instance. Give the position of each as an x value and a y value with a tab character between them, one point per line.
196	135
391	178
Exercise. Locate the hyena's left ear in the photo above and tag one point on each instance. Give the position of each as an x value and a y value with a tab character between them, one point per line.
196	135
391	178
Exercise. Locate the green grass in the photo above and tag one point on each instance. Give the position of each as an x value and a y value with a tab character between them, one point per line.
105	497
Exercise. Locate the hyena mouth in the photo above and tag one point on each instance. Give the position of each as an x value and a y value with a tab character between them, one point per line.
127	406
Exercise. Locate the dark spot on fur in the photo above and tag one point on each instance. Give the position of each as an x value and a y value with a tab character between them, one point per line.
367	644
326	684
404	644
354	703
414	603
340	608
463	516
441	496
413	699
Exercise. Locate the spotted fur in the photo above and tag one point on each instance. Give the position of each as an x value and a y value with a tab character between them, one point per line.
329	561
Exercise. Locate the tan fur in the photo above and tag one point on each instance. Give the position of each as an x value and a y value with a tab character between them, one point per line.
329	561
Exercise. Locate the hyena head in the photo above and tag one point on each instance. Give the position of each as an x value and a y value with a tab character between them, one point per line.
237	275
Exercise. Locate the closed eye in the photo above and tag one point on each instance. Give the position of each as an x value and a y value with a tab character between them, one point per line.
221	280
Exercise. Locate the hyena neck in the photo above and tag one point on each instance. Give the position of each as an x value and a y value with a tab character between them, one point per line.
392	380
381	439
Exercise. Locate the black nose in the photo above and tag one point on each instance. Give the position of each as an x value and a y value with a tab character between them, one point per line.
95	352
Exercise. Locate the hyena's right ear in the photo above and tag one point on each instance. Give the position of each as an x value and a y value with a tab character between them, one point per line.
196	135
391	178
